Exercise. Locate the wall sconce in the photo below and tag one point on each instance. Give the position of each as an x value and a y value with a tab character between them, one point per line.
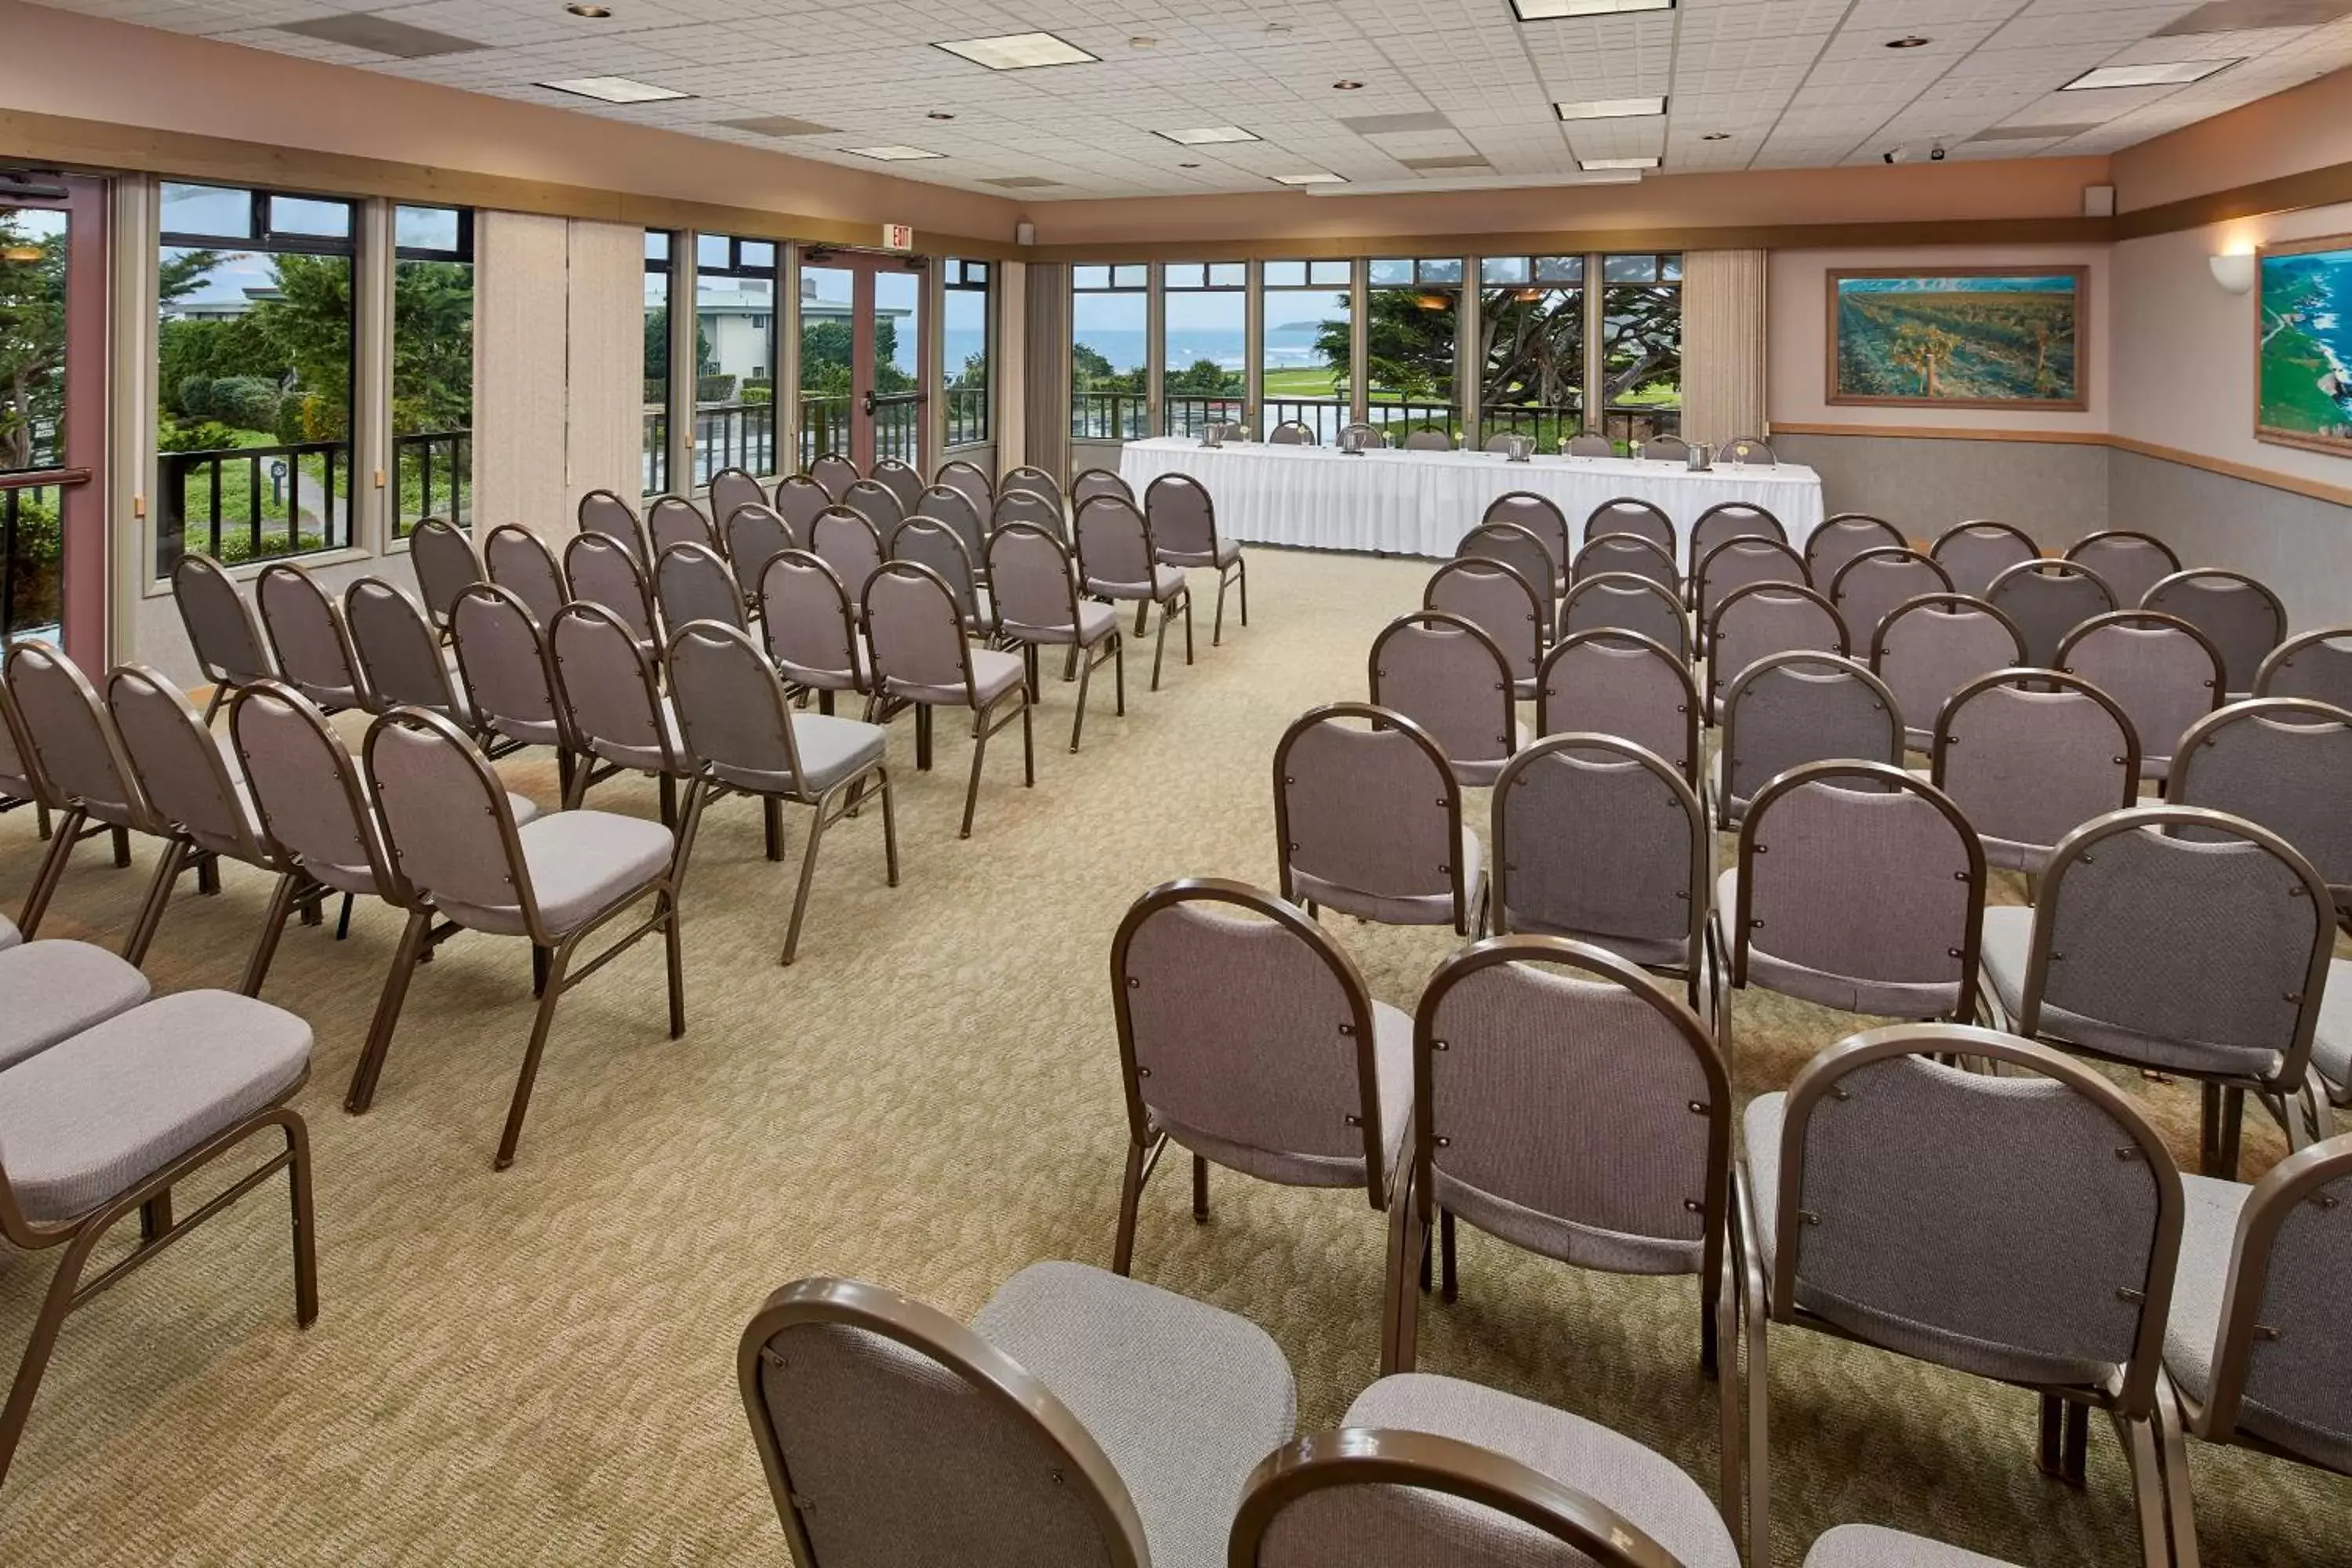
2235	273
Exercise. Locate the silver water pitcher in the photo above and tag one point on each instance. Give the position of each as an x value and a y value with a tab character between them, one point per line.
1520	448
1702	456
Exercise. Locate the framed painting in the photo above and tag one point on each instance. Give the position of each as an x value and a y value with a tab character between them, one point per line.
1972	337
2302	343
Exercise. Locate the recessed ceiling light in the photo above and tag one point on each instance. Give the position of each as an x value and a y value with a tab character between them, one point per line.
1595	165
1142	41
1019	52
938	114
615	89
1277	27
1208	135
1908	41
1187	165
1716	136
1314	177
895	153
1346	84
2168	75
1548	10
1611	108
594	12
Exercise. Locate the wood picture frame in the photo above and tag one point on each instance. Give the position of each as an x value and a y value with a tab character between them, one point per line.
2301	387
2075	293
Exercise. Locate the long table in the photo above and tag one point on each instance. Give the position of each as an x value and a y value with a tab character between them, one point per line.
1422	503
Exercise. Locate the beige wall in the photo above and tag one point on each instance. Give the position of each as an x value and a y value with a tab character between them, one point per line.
2308	127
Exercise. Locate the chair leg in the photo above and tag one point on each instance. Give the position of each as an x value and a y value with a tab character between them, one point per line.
1159	650
540	1021
808	875
1760	1466
538	970
303	1216
121	836
1723	1319
343	920
1130	1204
889	827
575	790
1451	1286
971	791
674	956
1118	671
1143	612
159	893
273	926
1079	724
668	788
2139	1439
2179	1502
697	799
772	826
1199	1189
36	1362
53	868
1241	581
213	703
1028	744
362	1093
1217	622
923	738
209	874
1188	626
1401	1307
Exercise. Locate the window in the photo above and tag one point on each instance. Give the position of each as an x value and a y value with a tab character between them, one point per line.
254	371
1308	309
1204	343
1640	349
657	416
432	366
1110	333
1531	319
34	364
1413	336
735	355
965	347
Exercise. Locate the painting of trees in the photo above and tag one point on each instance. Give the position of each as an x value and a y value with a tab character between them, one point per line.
1985	339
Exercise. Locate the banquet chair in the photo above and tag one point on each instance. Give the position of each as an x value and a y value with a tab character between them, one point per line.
1788	709
1082	1421
693	582
2047	599
456	854
732	488
2129	564
1184	534
21	784
223	635
1500	602
799	499
1973	554
2284	763
1093	482
1927	647
875	503
1120	561
921	659
2056	1214
2242	616
601	573
902	479
1628	514
1591	444
441	555
1540	516
1623	602
848	541
1866	587
808	623
1628	554
2316	665
1759	620
1030	506
614	707
954	508
1733	519
675	521
1733	564
518	560
308	638
1622	684
1666	449
1427	440
1750	449
1035	585
401	662
755	533
833	474
71	745
1448	677
2029	756
2163	671
1293	433
1842	538
1368	821
1601	840
970	481
1248	1040
1368	437
935	545
2194	943
1037	481
1523	1045
508	675
602	512
736	723
1520	549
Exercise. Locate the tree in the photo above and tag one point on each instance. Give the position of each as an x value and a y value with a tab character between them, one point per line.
1531	343
1206	378
32	343
1924	348
1641	338
1409	335
431	346
308	321
706	359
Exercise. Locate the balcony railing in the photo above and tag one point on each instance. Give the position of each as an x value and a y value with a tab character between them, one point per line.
1324	415
899	427
734	436
825	426
967	416
32	523
1549	424
432	476
1400	419
656	451
253	503
1108	415
1190	416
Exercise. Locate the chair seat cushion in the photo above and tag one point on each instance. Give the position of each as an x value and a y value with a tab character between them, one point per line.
994	672
1392	1076
1848	994
581	863
89	1120
831	749
1645	1486
1184	1398
2331	1041
1227	552
858	679
1167	582
9	936
50	990
1404	909
1481	773
1096	622
1868	1546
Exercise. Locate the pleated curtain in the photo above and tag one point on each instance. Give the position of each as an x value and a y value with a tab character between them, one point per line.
1047	356
1724	386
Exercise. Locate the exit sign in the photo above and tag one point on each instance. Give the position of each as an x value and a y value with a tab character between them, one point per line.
898	236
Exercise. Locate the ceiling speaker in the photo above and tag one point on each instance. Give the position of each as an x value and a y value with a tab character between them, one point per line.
2098	201
1024	233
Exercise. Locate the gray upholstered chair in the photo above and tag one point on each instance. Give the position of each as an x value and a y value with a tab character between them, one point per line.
935	545
20	778
1034	584
105	1124
903	480
731	489
1428	1469
1120	561
1927	647
1035	480
520	561
1503	603
1591	444
2030	756
2193	944
1723	568
1519	548
1750	449
1731	520
1620	601
1445	675
455	853
1599	839
1841	538
1367	438
1093	482
1614	682
831	472
1524	1047
845	540
740	728
1870	586
1627	552
443	557
604	575
509	676
1082	1421
52	991
1542	516
1631	514
2050	1213
1973	554
970	481
954	507
673	519
71	742
1754	622
693	582
1789	708
876	502
1666	449
1368	821
1184	534
223	635
921	659
2163	671
2240	615
798	500
1034	507
401	662
755	533
602	512
808	620
2316	665
1427	440
2129	564
307	635
1293	433
2285	763
2047	599
614	706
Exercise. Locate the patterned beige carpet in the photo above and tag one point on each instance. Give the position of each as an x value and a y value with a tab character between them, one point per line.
538	1365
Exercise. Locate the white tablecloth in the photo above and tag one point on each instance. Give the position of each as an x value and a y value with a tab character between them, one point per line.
1422	503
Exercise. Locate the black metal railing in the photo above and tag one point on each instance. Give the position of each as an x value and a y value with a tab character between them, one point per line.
825	426
432	476
656	451
967	416
899	427
32	556
1108	415
253	503
1549	424
734	436
1324	415
1190	416
1398	420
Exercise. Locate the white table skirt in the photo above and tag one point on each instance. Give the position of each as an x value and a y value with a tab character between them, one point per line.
1422	503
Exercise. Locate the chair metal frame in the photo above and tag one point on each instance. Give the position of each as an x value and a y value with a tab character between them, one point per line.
1720	680
1510	738
197	563
1836	526
2283	654
2268	594
1922	603
1940	744
1236	574
74	809
348	651
1693	752
884	705
1980	526
1624	582
2045	567
553	561
1903	553
570	754
634	541
2146	620
831	463
1469	903
1144	602
1728	713
1110	649
1649	508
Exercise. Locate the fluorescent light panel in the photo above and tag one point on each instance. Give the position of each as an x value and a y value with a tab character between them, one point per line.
1611	108
1548	10
1019	52
894	153
2167	75
1314	177
1597	165
1209	135
614	89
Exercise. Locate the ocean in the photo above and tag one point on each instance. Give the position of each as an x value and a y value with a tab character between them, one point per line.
1289	345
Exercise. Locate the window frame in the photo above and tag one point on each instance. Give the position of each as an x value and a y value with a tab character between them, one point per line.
956	277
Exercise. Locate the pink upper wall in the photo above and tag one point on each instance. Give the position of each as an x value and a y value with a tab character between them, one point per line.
2307	127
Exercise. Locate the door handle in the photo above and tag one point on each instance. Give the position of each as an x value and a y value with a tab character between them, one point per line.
869	405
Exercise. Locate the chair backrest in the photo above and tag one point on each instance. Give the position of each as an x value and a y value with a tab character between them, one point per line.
892	1434
1427	440
1591	444
1244	1025
178	766
1183	519
1599	837
71	738
1445	675
1626	553
970	481
846	540
956	509
601	572
2056	1208
1093	482
520	561
1037	481
1539	515
612	695
1364	800
731	708
442	556
1761	619
20	775
915	636
1666	449
1752	449
1365	435
834	473
1631	514
602	512
307	634
2282	762
1499	602
1842	538
694	585
222	631
1031	580
1293	433
875	503
675	521
755	531
2129	564
2031	756
1928	648
1036	509
306	789
798	500
936	545
1622	684
2165	672
902	479
2317	665
1790	709
398	652
2047	599
1520	549
448	827
1723	568
1866	587
1115	542
1622	601
732	488
2242	616
503	660
1973	554
806	620
1734	519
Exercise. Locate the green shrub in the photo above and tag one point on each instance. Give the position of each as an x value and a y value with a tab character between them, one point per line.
201	436
247	402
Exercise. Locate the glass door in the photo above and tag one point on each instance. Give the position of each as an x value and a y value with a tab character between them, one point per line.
863	336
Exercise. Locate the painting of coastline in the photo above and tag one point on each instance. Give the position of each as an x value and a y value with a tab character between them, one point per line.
2303	325
1981	338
